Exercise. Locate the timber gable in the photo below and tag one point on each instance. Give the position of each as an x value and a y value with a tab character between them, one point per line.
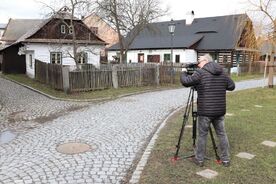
52	30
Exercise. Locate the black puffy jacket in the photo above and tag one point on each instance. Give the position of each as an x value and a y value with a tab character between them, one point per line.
211	83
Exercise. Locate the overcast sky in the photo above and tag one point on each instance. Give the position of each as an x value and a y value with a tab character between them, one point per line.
178	8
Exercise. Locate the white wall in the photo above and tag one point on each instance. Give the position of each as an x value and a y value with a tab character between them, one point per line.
190	56
42	53
30	65
1	32
186	55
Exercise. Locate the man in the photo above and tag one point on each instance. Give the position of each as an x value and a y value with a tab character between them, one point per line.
211	84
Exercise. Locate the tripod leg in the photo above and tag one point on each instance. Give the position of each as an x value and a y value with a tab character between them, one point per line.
185	119
194	128
214	144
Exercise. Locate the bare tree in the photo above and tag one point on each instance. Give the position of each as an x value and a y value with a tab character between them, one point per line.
68	17
266	8
129	18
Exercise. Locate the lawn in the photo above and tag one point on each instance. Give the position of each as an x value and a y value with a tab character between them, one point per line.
242	77
247	128
98	94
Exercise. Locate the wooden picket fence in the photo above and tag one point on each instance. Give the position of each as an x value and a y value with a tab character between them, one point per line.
123	75
50	74
136	74
91	78
170	73
86	80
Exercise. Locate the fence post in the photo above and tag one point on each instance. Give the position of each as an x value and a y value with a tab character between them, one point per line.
141	75
114	76
47	73
65	79
157	79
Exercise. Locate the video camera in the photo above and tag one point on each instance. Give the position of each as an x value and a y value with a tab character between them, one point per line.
191	68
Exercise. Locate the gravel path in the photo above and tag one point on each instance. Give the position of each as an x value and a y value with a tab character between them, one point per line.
116	131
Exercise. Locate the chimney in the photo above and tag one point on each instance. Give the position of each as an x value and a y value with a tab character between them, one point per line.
190	17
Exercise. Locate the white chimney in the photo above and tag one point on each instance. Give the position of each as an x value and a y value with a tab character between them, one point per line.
190	17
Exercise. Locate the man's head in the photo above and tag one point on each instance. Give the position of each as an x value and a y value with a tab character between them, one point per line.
206	58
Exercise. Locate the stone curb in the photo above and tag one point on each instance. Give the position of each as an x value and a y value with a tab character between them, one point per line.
143	160
84	100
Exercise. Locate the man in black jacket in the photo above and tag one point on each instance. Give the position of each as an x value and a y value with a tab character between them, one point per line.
211	83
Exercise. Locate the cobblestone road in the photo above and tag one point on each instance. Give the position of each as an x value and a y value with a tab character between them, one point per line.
21	105
116	130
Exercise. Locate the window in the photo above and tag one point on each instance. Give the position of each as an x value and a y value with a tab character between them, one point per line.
153	58
62	29
70	30
177	58
167	57
141	58
31	61
82	57
55	57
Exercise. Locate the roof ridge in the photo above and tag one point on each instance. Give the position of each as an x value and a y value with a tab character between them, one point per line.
167	21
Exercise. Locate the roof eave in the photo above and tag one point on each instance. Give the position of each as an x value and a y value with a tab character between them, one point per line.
63	41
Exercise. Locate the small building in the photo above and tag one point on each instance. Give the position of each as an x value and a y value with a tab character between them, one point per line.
229	39
48	40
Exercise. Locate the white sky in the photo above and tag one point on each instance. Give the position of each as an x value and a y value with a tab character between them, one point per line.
178	8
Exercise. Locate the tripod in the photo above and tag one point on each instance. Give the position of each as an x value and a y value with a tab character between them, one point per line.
188	109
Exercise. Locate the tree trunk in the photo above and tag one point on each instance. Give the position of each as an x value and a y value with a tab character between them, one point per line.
270	67
271	63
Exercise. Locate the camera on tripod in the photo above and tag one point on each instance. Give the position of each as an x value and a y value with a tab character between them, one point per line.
190	68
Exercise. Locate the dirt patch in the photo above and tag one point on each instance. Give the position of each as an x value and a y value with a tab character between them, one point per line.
44	119
15	116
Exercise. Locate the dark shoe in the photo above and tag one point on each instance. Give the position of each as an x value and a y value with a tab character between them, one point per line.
226	163
196	162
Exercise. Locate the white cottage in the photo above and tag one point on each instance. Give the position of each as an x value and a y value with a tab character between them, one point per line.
229	39
49	40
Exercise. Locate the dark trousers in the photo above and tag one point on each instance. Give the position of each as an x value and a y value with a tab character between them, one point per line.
203	129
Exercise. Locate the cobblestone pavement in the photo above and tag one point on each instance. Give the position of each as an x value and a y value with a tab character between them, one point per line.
21	105
116	130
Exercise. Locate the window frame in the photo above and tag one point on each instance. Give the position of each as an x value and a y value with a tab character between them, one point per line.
70	30
82	57
62	29
57	57
166	55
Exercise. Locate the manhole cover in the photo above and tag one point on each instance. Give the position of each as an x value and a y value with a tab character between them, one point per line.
73	148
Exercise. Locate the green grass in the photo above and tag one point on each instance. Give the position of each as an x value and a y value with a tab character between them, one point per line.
242	77
98	94
246	130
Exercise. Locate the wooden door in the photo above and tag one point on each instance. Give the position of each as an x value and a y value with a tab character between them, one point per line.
141	58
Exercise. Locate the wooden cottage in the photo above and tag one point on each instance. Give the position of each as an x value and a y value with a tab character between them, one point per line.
48	40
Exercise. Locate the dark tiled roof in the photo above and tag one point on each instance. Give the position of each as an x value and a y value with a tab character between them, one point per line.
221	32
18	27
